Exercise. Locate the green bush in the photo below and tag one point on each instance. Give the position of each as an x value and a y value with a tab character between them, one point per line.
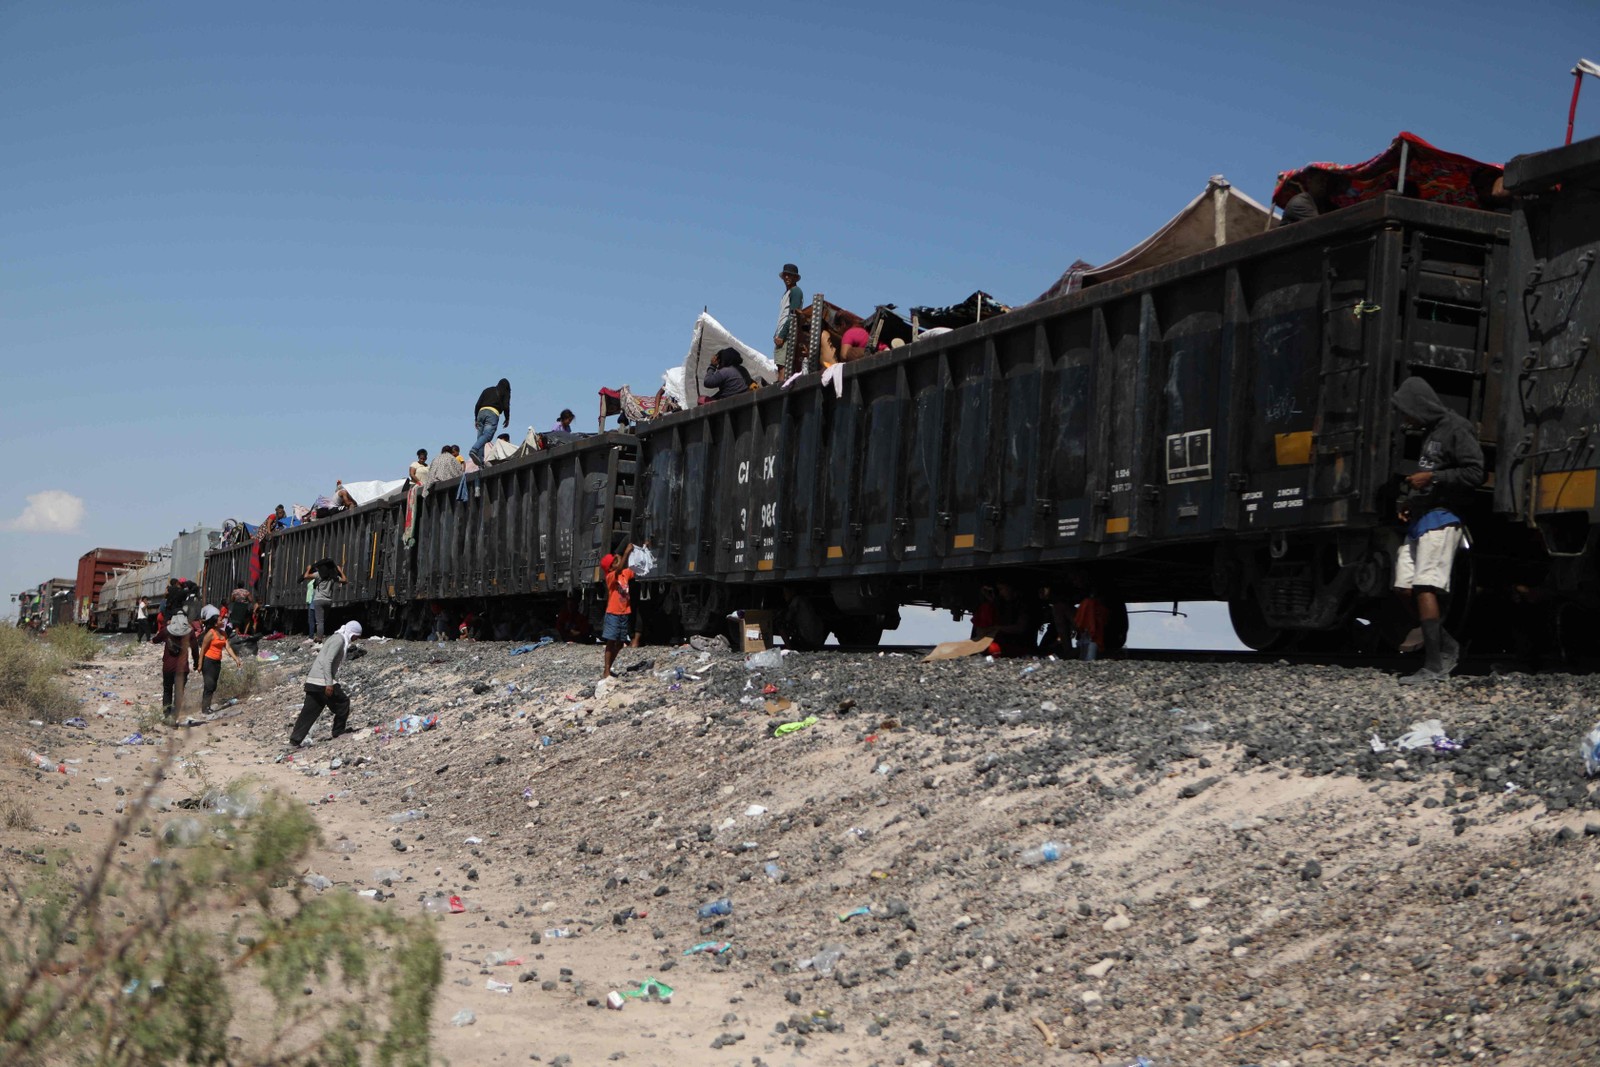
74	643
237	681
144	959
30	678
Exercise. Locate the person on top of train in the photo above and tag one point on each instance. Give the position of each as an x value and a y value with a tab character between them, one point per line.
788	307
726	377
1310	201
494	404
563	421
1448	468
275	519
418	469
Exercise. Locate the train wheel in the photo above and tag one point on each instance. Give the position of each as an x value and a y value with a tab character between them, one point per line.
1250	627
859	630
803	626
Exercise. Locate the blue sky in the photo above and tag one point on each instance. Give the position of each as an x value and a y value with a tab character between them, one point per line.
244	252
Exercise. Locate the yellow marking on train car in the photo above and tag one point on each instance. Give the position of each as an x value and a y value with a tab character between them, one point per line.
835	552
763	564
691	564
1566	490
541	576
1294	449
372	569
1116	526
964	541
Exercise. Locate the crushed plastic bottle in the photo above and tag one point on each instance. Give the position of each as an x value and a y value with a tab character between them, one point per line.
386	874
1010	716
1048	852
402	817
463	1018
45	763
407	725
723	906
495	959
183	832
772	657
825	960
317	882
1589	749
497	987
439	904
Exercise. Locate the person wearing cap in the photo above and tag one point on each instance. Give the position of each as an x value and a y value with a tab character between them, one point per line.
788	307
322	686
619	605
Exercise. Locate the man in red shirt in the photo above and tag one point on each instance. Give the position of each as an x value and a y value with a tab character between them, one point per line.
619	605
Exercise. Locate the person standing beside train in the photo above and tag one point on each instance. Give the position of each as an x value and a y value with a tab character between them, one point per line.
494	404
619	605
788	307
322	574
1449	467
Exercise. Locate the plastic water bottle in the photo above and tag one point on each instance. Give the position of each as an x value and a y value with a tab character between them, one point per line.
557	932
715	908
1589	749
401	817
1048	852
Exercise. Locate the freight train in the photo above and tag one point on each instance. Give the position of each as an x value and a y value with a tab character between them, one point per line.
1216	428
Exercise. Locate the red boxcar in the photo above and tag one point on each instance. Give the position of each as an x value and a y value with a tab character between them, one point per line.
93	568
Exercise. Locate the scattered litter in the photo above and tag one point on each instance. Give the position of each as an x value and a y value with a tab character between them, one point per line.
386	874
792	727
712	948
533	647
614	1000
1589	749
956	649
503	958
650	987
473	841
77	722
722	906
406	726
1048	852
183	832
862	910
1377	744
267	657
773	872
497	987
557	932
1511	787
439	904
134	738
754	810
772	657
45	763
317	882
412	815
463	1018
1427	734
824	961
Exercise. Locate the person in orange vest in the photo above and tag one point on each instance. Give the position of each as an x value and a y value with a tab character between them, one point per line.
212	645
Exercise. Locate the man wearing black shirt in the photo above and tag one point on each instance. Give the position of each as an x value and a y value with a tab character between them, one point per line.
494	404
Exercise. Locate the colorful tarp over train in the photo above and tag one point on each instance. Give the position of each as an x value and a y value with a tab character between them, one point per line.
1431	174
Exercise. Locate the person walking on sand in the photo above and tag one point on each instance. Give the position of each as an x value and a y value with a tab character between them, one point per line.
619	605
322	686
212	645
177	652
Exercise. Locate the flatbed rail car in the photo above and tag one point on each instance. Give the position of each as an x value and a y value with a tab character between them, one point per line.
533	527
1218	428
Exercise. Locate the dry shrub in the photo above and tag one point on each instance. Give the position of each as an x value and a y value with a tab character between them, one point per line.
30	678
74	643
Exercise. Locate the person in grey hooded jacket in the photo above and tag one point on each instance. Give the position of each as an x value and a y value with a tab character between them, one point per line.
322	685
1448	469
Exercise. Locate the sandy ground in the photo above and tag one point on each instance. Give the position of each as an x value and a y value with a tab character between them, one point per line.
1206	910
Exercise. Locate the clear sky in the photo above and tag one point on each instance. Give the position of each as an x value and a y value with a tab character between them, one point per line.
248	249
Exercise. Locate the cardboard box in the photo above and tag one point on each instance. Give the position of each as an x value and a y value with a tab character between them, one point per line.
753	632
